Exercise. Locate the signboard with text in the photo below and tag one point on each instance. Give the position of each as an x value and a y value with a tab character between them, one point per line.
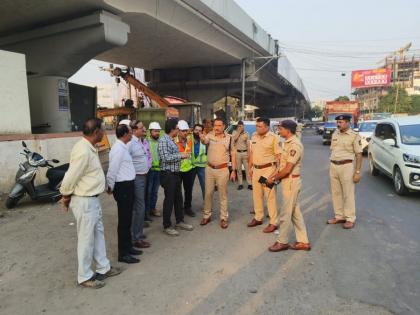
369	78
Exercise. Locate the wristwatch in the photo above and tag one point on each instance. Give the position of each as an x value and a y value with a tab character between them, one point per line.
357	172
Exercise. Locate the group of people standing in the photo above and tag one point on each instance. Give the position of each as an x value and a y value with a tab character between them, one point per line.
139	164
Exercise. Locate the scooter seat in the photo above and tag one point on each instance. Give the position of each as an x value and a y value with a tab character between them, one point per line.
56	174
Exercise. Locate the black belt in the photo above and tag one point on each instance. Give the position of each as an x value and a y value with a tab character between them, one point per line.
241	151
341	162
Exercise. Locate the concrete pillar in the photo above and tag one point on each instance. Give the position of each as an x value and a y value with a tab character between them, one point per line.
14	103
50	104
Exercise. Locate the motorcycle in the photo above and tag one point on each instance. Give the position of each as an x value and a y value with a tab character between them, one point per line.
25	178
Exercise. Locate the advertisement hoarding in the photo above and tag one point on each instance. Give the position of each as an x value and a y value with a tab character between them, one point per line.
369	78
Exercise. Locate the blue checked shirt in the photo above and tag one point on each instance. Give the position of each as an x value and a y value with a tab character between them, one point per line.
169	156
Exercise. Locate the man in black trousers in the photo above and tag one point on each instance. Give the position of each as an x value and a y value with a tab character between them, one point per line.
120	178
170	179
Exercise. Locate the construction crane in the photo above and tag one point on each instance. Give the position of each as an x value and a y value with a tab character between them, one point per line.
399	52
118	72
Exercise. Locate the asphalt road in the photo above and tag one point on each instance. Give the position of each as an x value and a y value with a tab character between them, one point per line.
372	269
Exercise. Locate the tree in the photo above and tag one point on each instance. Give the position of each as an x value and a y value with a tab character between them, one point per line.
415	104
342	99
316	111
401	103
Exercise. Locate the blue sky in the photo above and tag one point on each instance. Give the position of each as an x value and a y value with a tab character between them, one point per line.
323	38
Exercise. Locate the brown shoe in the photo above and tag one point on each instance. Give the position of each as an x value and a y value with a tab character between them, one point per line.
348	225
156	213
92	284
301	246
270	228
205	221
142	244
278	247
114	271
254	223
224	224
335	221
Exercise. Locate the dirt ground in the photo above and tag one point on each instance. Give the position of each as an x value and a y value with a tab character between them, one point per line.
372	269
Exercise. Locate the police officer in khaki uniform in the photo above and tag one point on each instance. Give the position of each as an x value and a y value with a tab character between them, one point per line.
263	160
346	146
241	138
220	149
289	174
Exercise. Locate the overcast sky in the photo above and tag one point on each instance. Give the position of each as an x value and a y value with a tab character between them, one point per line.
323	38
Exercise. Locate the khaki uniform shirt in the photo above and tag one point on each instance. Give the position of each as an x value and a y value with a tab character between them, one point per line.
345	145
218	150
242	142
264	148
85	176
292	153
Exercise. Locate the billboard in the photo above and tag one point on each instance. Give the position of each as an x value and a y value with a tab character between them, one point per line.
368	78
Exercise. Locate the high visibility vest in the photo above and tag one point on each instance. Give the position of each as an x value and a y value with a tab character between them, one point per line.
201	159
154	150
186	164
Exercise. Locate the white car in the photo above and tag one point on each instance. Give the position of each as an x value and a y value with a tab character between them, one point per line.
366	129
394	150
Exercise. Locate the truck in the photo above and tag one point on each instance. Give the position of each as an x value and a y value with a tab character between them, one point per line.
333	109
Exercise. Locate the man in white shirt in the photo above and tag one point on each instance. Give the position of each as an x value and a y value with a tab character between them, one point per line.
81	186
138	152
120	178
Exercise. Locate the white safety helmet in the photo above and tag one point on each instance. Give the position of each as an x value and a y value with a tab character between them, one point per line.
183	125
126	122
154	126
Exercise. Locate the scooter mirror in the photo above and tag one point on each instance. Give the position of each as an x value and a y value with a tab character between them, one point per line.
24	144
55	161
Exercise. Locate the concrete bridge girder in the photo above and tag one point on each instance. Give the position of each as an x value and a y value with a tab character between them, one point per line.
63	48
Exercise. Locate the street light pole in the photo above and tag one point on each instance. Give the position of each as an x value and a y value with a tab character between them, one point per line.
243	78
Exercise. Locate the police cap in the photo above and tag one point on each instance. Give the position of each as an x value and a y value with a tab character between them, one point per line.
343	117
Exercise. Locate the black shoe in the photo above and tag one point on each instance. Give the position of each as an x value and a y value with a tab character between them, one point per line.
128	259
249	187
240	187
190	213
148	219
135	252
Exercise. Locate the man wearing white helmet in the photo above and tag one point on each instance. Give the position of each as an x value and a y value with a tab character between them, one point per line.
153	181
184	143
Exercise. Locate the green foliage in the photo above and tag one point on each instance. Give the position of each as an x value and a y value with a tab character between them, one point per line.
342	99
403	103
316	111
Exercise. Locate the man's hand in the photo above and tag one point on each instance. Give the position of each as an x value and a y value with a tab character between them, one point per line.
269	181
203	138
250	172
109	191
233	176
65	203
185	155
356	178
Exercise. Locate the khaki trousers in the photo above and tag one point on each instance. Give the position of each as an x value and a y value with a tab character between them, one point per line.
270	195
342	190
242	158
290	214
219	178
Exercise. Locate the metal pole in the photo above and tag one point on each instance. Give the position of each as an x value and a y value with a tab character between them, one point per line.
243	88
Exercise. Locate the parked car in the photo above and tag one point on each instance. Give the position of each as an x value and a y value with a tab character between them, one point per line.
366	129
394	150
